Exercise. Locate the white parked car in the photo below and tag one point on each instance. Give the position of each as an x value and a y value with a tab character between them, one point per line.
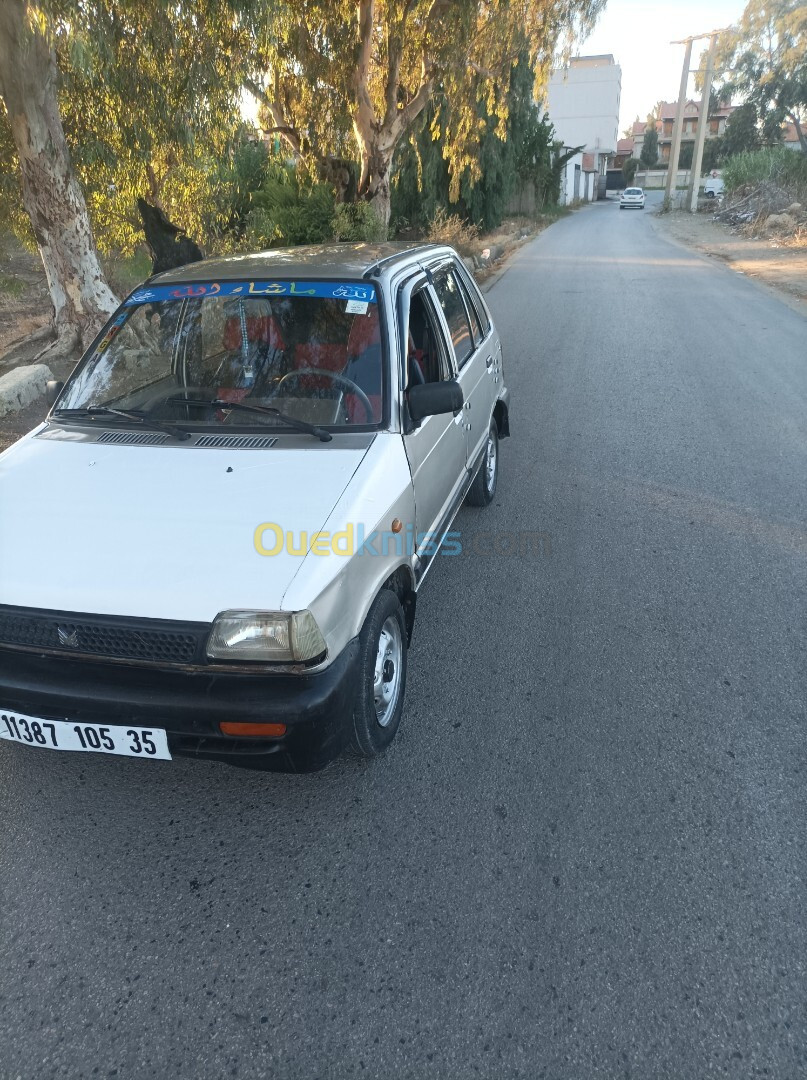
632	197
713	187
221	530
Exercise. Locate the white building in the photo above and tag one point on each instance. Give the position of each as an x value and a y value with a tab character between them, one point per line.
583	105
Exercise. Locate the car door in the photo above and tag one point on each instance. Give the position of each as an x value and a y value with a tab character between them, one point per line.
476	355
436	447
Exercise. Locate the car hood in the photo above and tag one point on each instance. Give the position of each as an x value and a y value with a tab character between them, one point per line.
159	532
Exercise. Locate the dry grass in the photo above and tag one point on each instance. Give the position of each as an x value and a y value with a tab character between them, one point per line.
450	229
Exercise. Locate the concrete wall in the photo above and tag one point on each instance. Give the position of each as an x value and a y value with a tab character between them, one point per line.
583	103
577	184
653	179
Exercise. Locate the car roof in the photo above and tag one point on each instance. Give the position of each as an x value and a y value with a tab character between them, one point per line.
310	262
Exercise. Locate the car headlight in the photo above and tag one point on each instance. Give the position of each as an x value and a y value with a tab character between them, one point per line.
265	635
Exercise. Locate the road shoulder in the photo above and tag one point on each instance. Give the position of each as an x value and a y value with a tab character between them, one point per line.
781	270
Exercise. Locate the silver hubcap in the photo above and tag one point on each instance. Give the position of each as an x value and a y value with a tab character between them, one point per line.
387	675
490	463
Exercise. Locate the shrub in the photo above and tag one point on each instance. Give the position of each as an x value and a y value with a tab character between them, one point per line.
453	230
776	166
358	222
288	211
629	168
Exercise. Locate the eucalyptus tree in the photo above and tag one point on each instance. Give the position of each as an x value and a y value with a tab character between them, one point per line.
327	71
106	100
51	194
764	58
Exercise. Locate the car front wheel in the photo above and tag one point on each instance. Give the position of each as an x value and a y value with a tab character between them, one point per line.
382	676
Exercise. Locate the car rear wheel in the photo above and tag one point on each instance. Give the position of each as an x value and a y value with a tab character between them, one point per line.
484	486
382	676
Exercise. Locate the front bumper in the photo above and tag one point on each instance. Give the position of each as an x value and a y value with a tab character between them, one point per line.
190	705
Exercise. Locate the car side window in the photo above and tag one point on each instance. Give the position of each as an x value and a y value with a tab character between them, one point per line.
448	293
475	303
426	360
476	325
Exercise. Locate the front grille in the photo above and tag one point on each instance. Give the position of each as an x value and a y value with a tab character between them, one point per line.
112	637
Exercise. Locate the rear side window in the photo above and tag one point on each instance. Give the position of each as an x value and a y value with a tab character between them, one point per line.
479	316
448	293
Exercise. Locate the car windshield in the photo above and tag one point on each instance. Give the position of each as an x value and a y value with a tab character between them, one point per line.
176	353
633	191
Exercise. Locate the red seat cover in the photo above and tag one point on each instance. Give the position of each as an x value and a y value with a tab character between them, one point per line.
315	354
260	328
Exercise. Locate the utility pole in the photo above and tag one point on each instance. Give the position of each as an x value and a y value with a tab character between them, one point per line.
703	119
675	149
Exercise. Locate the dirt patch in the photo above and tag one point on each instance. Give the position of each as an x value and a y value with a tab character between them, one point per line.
25	305
15	425
782	265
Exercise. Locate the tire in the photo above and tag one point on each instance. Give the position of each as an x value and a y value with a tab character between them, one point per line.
380	695
483	488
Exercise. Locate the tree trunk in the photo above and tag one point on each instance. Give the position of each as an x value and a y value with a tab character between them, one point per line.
381	201
800	133
82	299
376	165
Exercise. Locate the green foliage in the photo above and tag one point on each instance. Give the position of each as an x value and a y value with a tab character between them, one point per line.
686	154
149	97
420	181
713	154
367	70
649	154
358	222
765	56
629	170
12	287
775	165
289	209
13	218
505	161
742	130
233	182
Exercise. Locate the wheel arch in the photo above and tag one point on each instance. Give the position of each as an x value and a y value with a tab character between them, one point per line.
402	582
501	416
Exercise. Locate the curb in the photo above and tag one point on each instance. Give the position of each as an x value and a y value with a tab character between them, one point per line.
22	386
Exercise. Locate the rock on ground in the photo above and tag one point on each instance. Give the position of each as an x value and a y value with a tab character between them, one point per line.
22	386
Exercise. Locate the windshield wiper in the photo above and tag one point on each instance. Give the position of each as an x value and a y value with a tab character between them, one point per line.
126	414
267	410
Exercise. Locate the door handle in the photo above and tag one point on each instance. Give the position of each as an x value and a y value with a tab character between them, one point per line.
489	362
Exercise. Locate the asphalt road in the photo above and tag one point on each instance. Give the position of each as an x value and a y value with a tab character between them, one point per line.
585	855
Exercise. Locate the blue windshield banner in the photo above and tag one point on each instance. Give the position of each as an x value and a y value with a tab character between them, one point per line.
328	290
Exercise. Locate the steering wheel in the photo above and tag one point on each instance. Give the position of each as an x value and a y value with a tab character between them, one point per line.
340	380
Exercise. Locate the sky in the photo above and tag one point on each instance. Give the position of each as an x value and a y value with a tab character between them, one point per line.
639	35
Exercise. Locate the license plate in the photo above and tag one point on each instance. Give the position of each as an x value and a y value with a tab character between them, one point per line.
91	738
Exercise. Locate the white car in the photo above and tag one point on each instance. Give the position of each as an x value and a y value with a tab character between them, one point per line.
234	502
632	196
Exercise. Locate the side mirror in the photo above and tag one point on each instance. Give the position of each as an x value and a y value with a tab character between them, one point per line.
432	399
52	390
